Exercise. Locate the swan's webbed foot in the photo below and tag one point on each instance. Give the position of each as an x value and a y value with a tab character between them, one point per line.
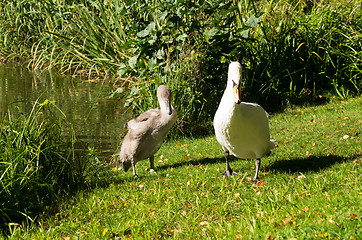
229	173
257	166
254	180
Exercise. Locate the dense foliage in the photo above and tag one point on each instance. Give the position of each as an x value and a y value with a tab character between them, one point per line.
38	163
291	51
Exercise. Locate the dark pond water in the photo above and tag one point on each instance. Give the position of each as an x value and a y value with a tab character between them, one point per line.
97	118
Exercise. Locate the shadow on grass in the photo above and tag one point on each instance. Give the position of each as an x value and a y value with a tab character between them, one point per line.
104	181
309	164
203	161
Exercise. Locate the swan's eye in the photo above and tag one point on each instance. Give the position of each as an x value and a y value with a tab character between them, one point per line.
236	85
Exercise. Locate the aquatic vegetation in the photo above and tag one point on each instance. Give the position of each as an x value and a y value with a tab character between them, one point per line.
291	51
38	163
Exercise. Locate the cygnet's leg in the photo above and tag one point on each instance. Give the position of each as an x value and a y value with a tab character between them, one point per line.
152	164
257	166
134	169
228	172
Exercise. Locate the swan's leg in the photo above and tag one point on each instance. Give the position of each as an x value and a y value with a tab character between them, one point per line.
257	166
228	172
152	164
134	169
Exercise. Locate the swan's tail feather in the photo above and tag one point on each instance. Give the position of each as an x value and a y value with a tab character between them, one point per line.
272	143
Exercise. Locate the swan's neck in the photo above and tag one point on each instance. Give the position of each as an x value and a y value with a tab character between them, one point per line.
227	104
229	95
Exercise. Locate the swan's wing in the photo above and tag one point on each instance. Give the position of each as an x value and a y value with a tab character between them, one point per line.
255	112
254	122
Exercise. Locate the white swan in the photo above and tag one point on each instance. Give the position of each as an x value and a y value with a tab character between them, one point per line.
241	128
147	132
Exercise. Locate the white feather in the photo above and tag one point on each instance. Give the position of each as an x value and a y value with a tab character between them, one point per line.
242	129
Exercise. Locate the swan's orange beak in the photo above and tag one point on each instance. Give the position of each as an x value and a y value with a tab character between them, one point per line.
236	94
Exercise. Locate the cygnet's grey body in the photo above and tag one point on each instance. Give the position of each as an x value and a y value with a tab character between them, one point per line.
147	132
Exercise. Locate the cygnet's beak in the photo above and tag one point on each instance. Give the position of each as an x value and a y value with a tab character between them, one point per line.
169	109
236	93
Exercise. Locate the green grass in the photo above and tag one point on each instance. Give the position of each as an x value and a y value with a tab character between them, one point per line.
309	189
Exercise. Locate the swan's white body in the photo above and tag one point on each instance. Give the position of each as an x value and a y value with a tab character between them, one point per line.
147	132
241	128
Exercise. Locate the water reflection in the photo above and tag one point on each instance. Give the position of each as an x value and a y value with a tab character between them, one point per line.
98	120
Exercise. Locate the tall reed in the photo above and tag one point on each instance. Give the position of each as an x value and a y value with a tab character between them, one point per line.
38	163
303	49
291	51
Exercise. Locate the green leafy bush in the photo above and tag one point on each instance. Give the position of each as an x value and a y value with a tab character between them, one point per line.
292	52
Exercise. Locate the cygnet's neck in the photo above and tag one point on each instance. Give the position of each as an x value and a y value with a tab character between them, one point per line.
166	107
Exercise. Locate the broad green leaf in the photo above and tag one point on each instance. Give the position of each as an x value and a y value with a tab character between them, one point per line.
163	15
122	70
152	62
245	33
132	62
145	32
117	91
212	32
160	53
134	91
181	38
153	39
252	21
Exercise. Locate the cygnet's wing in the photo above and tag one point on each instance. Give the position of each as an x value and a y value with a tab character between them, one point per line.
143	122
138	130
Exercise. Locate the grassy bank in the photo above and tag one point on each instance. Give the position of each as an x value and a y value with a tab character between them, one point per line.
291	51
310	189
38	163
